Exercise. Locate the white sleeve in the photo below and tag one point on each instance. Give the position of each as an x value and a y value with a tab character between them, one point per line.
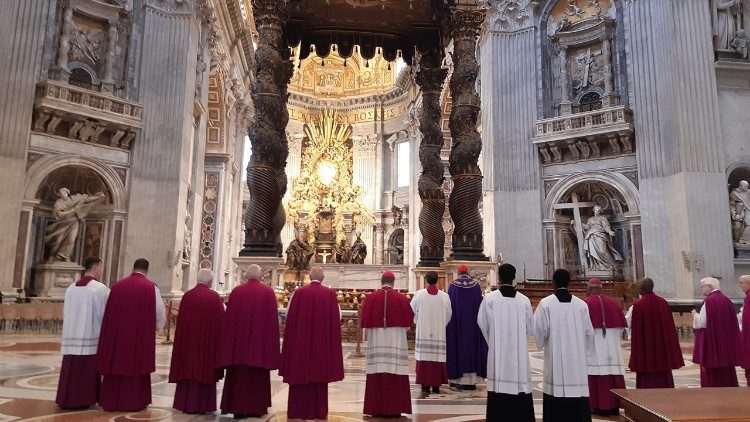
161	312
448	309
529	319
541	326
483	319
699	319
100	303
629	320
739	317
415	306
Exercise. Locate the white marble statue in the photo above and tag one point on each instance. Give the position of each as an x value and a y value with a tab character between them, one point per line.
70	211
600	251
727	23
739	207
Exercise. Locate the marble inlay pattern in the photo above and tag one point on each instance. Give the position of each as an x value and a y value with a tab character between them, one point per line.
29	368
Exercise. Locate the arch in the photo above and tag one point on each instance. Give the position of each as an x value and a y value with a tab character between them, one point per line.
42	168
618	181
86	68
737	172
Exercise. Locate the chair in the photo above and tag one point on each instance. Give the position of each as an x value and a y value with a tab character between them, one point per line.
11	316
46	313
29	316
58	315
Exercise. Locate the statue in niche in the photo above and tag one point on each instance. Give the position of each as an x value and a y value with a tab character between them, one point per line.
739	207
358	251
727	20
600	250
398	215
298	254
740	43
70	211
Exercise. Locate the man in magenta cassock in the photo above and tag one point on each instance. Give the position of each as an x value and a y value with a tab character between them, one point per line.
311	355
654	348
196	342
744	320
717	336
606	368
386	315
249	347
467	349
126	355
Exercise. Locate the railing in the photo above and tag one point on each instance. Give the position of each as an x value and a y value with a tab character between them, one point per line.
55	94
588	123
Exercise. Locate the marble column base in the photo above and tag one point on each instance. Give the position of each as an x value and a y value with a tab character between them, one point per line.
485	272
273	268
52	278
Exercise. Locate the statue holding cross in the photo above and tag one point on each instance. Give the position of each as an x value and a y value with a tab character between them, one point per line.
595	246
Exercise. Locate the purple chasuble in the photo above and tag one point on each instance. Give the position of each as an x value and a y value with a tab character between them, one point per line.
467	349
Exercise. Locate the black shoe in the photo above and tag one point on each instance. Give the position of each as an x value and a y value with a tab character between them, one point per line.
436	390
455	387
469	387
425	390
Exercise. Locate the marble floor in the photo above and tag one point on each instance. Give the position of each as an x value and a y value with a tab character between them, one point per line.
30	364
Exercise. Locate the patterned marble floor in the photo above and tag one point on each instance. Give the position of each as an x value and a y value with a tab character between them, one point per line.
30	364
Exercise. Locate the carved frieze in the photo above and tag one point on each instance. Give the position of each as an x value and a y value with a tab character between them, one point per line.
511	15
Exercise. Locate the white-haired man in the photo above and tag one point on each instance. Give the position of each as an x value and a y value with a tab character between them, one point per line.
249	347
196	342
716	337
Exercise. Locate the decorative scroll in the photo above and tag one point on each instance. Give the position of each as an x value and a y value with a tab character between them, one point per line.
468	241
266	178
430	78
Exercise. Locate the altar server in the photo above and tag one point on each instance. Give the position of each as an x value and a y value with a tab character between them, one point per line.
85	300
606	366
386	315
432	310
311	356
744	321
467	350
249	348
562	328
716	337
654	347
196	343
506	320
126	356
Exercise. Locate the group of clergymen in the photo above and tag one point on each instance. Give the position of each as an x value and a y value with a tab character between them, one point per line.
108	345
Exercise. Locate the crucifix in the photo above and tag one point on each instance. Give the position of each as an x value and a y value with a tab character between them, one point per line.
325	256
576	206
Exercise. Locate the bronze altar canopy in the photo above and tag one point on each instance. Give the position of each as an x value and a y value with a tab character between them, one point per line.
405	27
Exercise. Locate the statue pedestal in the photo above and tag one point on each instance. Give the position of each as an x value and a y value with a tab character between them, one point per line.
421	272
52	278
605	275
273	268
741	251
485	272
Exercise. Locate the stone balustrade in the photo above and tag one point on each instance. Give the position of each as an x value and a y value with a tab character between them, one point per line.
590	135
88	116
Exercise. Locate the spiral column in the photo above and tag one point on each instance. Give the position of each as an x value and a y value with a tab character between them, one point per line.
430	78
266	177
463	205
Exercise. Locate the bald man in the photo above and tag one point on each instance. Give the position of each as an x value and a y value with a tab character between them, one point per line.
196	342
249	348
716	337
744	321
311	355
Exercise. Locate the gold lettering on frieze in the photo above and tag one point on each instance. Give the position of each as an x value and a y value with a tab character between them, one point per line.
350	117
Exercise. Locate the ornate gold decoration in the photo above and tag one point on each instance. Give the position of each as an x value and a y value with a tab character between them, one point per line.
336	77
326	181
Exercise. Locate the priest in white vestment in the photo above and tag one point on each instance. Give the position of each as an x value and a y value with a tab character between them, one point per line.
432	313
506	321
562	328
83	311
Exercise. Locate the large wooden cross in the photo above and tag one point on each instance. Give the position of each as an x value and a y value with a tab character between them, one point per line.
576	206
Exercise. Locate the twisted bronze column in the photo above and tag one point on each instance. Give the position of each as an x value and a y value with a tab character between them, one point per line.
430	78
463	205
266	178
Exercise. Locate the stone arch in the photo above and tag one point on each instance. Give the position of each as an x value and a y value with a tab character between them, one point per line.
618	181
396	239
737	171
43	167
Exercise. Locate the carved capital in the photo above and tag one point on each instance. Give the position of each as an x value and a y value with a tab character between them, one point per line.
466	22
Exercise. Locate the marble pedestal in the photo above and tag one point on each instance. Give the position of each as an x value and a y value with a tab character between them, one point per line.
52	278
273	268
421	272
485	272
